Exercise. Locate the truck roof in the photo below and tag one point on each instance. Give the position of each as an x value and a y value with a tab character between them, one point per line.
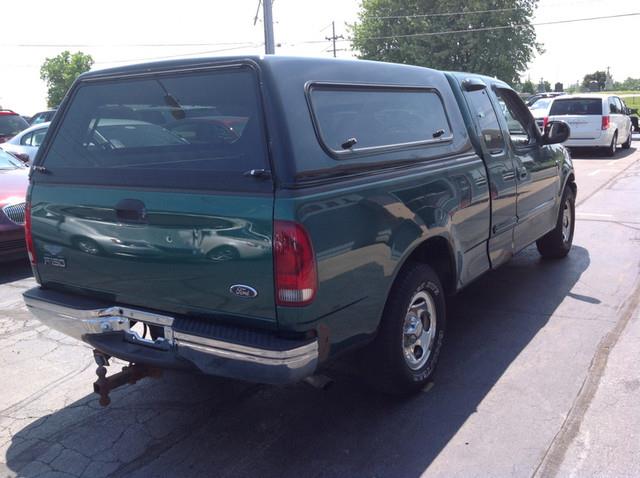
270	61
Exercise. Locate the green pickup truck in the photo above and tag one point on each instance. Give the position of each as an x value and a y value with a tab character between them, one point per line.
257	217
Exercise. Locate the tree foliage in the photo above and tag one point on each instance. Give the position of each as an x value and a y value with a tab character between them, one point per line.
544	86
409	31
632	84
60	71
528	87
600	77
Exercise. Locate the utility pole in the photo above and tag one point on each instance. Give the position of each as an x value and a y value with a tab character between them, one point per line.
269	44
333	37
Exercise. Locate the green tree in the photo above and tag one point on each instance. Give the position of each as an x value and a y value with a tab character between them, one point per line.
60	71
599	77
630	84
544	86
499	43
528	87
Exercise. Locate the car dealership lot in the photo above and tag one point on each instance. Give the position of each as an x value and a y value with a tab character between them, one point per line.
539	375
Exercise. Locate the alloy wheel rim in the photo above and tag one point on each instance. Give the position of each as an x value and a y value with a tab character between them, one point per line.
419	330
566	222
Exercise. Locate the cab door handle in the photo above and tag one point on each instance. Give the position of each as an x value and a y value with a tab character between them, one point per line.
508	174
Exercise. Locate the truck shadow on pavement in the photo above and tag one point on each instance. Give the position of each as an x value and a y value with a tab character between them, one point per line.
13	271
595	153
186	425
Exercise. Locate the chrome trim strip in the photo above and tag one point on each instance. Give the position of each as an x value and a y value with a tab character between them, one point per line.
291	362
244	350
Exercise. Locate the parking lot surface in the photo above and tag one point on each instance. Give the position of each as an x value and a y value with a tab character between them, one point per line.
538	376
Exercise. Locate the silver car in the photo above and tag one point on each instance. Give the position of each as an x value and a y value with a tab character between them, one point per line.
25	144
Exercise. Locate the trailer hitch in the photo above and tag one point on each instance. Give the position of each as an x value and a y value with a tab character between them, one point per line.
130	374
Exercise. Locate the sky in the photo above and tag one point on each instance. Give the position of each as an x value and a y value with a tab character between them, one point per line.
128	31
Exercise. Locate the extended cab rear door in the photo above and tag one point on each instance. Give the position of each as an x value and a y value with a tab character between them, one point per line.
500	167
537	168
144	194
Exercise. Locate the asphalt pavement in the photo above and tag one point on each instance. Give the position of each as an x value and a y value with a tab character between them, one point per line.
538	377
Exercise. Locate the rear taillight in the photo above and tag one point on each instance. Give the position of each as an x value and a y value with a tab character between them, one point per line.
295	265
545	122
606	121
27	234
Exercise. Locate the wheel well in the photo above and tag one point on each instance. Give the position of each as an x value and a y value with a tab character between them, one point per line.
436	253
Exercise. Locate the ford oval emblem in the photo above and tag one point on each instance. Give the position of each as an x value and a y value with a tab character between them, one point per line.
243	291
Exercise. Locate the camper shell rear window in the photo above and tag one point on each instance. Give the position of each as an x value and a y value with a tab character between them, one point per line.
181	130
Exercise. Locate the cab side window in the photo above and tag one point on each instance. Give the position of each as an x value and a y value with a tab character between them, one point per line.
486	117
518	118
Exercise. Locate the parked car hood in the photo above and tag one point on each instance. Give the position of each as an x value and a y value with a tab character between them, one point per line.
13	186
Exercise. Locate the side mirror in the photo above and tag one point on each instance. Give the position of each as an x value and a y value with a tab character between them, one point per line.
556	132
22	157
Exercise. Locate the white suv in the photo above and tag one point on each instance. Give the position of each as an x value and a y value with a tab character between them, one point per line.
596	120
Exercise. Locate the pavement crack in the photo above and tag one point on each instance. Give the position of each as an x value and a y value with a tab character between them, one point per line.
554	456
44	390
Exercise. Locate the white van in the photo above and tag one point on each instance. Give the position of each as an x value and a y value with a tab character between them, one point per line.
596	120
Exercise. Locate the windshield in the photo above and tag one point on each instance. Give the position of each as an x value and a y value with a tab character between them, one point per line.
541	104
11	124
577	106
9	162
194	130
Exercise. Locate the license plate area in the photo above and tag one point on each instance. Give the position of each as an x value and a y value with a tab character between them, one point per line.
137	333
140	327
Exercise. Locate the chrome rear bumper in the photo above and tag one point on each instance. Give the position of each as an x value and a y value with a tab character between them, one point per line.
258	357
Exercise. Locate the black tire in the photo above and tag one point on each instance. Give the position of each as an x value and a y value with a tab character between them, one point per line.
611	149
387	367
556	244
627	143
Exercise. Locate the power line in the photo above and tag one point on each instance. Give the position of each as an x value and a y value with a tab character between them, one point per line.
168	57
482	29
112	45
470	12
443	14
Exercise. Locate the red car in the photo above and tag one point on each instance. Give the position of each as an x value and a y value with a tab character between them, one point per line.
14	180
11	123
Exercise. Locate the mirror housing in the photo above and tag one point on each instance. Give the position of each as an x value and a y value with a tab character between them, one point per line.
473	84
556	132
22	157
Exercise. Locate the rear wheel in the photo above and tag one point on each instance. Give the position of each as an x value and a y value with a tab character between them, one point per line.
557	243
404	354
612	148
223	254
627	143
